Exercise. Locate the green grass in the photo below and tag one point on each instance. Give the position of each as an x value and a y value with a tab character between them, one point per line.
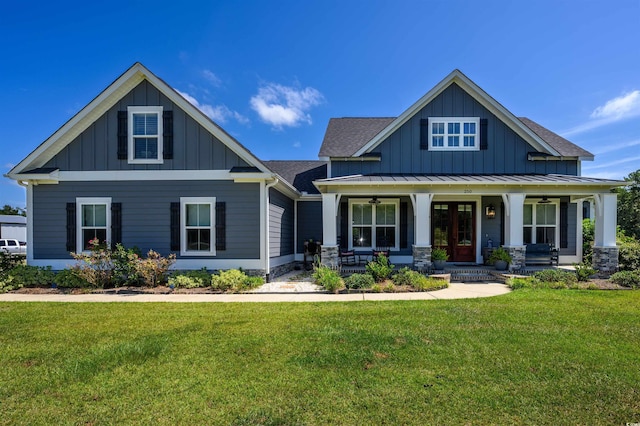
530	357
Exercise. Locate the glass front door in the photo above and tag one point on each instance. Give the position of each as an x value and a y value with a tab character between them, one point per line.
453	229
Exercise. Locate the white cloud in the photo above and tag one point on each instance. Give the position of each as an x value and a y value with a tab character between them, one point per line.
297	144
285	106
218	113
212	78
616	109
616	147
613	163
620	107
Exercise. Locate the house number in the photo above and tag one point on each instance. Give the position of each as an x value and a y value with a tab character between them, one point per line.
468	191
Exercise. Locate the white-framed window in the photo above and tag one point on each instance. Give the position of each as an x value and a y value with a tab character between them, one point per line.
541	223
198	226
93	221
454	133
374	225
145	134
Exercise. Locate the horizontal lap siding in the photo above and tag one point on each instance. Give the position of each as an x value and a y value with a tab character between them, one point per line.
194	148
280	224
146	214
506	153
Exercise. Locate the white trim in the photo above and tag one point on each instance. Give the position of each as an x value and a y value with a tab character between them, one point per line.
137	175
184	201
383	201
534	203
456	120
29	211
81	201
281	260
131	111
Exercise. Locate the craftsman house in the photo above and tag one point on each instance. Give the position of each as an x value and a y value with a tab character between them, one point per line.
142	166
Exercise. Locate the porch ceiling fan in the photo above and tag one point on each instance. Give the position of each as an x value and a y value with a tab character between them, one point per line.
374	200
544	200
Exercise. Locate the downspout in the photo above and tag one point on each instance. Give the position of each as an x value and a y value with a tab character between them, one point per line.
266	239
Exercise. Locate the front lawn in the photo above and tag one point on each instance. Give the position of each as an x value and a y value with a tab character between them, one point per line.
529	357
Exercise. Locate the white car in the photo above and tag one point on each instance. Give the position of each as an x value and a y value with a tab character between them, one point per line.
14	247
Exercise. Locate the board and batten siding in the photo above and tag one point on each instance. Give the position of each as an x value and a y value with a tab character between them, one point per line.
194	148
506	152
280	224
146	214
309	222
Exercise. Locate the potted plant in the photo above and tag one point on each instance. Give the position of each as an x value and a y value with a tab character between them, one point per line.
439	256
500	258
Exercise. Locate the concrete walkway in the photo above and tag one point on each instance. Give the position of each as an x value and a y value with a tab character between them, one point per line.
455	291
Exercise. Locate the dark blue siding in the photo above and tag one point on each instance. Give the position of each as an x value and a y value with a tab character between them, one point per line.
309	223
280	224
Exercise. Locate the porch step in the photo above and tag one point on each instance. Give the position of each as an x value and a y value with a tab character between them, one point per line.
473	275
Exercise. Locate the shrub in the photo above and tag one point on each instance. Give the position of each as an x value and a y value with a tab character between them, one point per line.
155	268
125	265
517	283
376	288
404	276
234	280
328	278
584	271
68	278
423	283
191	279
389	287
629	259
380	269
555	278
95	267
357	281
629	279
439	254
25	276
9	261
588	234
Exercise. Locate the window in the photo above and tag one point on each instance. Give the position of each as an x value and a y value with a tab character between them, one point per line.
540	223
93	221
454	134
145	135
374	225
197	221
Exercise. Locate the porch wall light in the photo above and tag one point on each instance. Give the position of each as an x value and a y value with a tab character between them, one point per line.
490	211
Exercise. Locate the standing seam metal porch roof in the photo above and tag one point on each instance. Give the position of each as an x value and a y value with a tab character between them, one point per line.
499	179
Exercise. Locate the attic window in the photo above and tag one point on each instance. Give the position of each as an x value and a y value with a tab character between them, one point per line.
454	134
145	134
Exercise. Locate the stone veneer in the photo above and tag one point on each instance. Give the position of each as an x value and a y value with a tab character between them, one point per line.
517	254
329	256
421	257
605	259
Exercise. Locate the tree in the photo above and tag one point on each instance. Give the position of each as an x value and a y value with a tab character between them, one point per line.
7	209
629	205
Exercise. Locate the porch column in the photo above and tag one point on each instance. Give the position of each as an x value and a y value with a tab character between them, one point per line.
513	228
422	246
605	250
329	250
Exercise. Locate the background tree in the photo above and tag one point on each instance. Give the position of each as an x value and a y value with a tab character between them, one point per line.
629	206
7	209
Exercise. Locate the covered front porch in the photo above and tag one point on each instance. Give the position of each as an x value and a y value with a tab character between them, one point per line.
467	216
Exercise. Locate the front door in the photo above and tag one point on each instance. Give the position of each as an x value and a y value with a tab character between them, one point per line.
453	229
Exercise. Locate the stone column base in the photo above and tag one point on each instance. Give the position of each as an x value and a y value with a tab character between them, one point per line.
329	256
421	257
517	254
605	259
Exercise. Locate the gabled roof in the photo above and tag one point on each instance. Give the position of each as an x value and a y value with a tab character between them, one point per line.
560	144
109	97
300	174
345	136
457	77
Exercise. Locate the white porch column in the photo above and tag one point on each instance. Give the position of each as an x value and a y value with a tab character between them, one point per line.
329	222
514	217
605	251
423	219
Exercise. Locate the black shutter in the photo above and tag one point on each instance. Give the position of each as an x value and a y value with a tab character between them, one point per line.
71	226
167	135
344	226
484	142
175	227
564	225
221	225
424	133
404	228
116	224
122	135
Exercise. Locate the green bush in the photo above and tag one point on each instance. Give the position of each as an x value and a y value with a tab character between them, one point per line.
154	270
234	280
584	271
380	269
423	283
557	276
9	261
358	281
328	278
629	279
588	234
67	278
191	279
404	277
517	283
629	259
125	262
25	276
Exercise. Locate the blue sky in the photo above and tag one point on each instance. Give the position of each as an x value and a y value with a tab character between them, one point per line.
273	73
